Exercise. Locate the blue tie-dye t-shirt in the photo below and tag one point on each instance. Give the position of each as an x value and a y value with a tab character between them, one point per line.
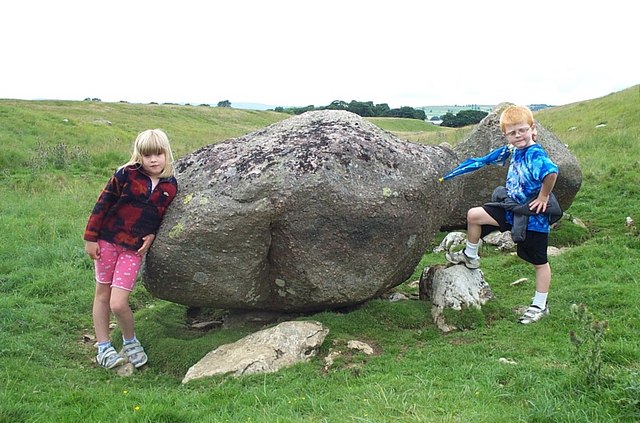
528	168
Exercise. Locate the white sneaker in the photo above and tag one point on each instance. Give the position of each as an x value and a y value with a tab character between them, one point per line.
460	257
533	314
135	354
110	358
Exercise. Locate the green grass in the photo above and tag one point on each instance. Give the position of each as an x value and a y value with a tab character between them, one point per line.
403	124
413	130
418	374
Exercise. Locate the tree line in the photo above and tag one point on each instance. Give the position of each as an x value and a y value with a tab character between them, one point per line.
369	109
462	118
362	108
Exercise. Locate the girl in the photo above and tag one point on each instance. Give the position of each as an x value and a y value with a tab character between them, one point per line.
120	231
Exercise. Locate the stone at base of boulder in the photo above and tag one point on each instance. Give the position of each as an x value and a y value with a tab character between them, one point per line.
242	318
452	287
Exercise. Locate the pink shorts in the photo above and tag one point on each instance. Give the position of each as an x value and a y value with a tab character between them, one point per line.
117	266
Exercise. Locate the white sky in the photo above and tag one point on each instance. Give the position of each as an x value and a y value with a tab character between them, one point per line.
296	52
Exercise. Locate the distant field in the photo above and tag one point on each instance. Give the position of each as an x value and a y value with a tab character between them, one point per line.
403	125
442	109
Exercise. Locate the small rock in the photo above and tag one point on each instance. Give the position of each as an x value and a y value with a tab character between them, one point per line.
125	370
519	281
207	325
578	222
397	296
360	346
452	239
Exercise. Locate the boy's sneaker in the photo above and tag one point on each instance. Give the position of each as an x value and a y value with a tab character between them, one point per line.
109	358
460	257
135	354
533	314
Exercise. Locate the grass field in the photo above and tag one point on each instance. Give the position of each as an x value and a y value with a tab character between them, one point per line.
55	159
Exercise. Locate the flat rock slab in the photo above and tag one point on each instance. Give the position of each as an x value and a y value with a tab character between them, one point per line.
265	351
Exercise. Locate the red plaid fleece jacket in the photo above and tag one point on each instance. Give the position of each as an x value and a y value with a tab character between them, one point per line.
127	209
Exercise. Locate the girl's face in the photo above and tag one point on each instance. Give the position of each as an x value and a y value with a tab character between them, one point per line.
153	164
520	135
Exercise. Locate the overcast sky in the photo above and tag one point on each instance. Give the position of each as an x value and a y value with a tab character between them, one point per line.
296	52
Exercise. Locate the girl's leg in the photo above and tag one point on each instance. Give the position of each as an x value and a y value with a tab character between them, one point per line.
124	280
107	356
101	311
104	268
120	307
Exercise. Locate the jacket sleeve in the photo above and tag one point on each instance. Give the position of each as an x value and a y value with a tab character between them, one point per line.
108	197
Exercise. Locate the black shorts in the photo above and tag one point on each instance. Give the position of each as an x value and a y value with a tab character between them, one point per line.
534	247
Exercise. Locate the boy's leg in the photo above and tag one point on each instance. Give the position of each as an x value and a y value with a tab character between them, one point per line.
543	279
534	250
477	217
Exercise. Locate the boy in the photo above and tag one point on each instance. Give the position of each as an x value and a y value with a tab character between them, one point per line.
530	180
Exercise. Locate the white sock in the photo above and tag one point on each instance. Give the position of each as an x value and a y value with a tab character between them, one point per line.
471	250
540	300
102	346
129	341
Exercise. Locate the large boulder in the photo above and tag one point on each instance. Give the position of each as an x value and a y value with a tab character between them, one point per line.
477	186
319	211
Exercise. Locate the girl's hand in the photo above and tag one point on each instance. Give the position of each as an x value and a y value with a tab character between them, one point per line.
92	249
146	244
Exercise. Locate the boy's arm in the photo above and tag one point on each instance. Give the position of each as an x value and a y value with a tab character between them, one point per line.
539	205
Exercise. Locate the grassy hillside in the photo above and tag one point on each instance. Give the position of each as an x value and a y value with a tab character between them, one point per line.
403	124
105	131
54	159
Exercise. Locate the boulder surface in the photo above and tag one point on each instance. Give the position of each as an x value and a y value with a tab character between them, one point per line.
319	211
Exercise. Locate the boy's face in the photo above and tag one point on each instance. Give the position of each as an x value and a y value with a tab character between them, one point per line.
520	135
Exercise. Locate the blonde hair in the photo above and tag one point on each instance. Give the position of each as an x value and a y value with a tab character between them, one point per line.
152	141
515	114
